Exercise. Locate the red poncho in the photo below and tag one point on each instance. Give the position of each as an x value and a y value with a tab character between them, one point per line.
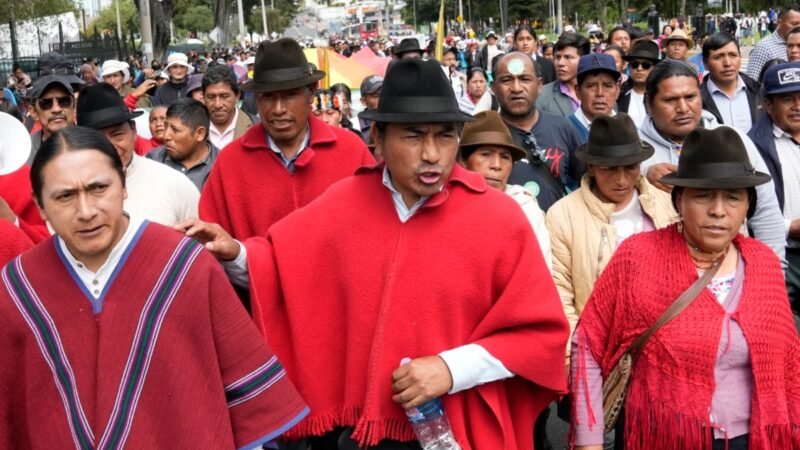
171	361
343	291
16	190
249	189
12	242
669	397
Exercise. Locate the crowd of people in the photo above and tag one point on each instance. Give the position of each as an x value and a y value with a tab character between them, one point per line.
224	252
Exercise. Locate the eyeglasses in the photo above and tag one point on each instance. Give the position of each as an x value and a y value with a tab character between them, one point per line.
532	146
642	64
46	104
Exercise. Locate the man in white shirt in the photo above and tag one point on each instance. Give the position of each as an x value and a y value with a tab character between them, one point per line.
776	135
155	192
220	94
641	60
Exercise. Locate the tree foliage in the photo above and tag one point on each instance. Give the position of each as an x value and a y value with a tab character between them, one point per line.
277	19
107	19
28	9
197	18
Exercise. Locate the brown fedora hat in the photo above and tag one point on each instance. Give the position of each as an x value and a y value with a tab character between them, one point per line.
715	159
613	142
487	129
281	65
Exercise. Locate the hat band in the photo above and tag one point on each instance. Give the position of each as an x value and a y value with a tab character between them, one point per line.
615	151
280	75
717	170
89	117
488	138
417	105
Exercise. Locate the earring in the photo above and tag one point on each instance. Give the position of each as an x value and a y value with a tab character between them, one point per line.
680	225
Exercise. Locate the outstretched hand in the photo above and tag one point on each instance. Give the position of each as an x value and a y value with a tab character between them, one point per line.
212	236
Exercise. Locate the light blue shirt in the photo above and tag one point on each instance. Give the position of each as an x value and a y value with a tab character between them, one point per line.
735	111
289	163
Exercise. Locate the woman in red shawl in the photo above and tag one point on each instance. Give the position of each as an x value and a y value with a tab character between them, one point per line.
724	374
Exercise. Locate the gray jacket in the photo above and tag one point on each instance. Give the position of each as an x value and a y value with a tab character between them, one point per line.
767	223
552	100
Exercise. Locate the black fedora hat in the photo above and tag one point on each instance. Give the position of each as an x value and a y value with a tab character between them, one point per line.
644	50
715	159
407	45
281	65
100	106
416	91
613	142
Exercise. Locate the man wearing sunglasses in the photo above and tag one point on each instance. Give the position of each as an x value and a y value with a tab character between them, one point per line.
641	59
52	100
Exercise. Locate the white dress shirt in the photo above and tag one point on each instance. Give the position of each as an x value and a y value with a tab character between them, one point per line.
222	138
94	284
789	156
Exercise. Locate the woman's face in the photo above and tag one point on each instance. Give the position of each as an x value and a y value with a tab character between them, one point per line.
331	116
525	42
667	30
712	217
477	86
548	53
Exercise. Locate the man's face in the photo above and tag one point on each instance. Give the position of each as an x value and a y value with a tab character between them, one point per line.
157	119
115	80
724	63
220	99
54	109
614	184
284	114
181	141
81	198
493	163
598	94
621	38
177	73
123	137
784	110
640	69
676	49
793	47
676	107
419	157
491	40
567	64
786	22
449	60
370	101
516	86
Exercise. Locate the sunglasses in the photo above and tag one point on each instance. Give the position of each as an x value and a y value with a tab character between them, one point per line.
46	104
642	64
530	144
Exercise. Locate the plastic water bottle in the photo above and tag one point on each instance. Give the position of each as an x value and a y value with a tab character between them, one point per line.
430	424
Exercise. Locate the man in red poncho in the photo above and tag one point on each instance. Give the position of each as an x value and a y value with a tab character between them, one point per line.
416	258
289	160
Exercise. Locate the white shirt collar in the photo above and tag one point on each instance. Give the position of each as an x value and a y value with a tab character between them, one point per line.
712	87
403	211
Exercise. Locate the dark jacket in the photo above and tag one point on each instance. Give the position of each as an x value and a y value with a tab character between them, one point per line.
761	135
483	59
752	88
552	100
624	99
168	93
546	69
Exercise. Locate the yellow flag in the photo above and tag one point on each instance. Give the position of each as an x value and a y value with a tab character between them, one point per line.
440	33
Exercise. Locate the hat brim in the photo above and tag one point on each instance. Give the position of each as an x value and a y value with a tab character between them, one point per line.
112	120
785	90
740	182
16	144
689	42
467	148
256	86
416	117
67	81
188	66
631	57
645	151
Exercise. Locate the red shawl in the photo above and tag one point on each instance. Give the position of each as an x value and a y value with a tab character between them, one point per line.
249	189
343	291
12	242
16	190
171	361
670	394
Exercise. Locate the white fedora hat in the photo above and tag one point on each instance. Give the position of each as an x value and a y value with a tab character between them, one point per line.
112	66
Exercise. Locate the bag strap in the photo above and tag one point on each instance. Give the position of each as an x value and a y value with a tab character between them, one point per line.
674	309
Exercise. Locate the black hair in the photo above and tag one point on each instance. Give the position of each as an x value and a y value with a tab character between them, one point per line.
789	8
341	88
793	31
476	70
525	27
548	45
716	41
767	65
636	33
574	40
667	69
615	48
191	113
72	139
220	74
752	198
15	66
615	30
